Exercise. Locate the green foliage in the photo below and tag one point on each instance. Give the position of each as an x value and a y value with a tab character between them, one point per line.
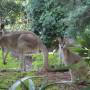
24	84
45	19
84	41
48	19
10	10
7	78
57	18
10	61
38	61
84	38
37	64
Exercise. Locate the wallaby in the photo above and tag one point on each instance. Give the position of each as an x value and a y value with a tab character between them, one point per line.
78	69
23	42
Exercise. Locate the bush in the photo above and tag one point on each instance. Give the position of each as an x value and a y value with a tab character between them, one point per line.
54	61
11	62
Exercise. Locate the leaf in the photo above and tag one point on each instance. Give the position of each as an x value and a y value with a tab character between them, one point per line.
31	85
19	82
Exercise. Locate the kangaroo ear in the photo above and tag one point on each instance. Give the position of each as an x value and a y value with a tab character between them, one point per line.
60	39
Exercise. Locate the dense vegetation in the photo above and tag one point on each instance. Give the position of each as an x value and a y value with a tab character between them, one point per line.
56	18
48	19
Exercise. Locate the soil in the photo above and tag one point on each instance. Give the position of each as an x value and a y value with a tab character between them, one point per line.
56	76
63	76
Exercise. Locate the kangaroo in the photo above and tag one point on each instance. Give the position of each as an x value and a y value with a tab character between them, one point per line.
78	69
23	42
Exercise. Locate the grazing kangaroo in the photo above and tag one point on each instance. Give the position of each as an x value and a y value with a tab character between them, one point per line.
78	69
23	42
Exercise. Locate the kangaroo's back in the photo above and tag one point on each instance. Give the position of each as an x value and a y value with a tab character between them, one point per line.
21	38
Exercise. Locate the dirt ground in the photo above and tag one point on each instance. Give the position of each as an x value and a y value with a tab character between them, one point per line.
63	76
56	76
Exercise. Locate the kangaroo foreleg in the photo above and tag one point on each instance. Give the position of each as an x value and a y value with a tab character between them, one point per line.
4	55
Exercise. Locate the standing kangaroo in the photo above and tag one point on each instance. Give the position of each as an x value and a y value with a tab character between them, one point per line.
78	69
23	42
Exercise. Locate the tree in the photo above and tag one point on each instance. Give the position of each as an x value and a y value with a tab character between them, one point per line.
10	10
44	19
55	18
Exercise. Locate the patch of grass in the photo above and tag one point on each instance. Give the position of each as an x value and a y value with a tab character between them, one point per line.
54	61
8	78
11	62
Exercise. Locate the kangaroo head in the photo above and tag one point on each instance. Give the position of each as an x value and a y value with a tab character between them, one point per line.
65	42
